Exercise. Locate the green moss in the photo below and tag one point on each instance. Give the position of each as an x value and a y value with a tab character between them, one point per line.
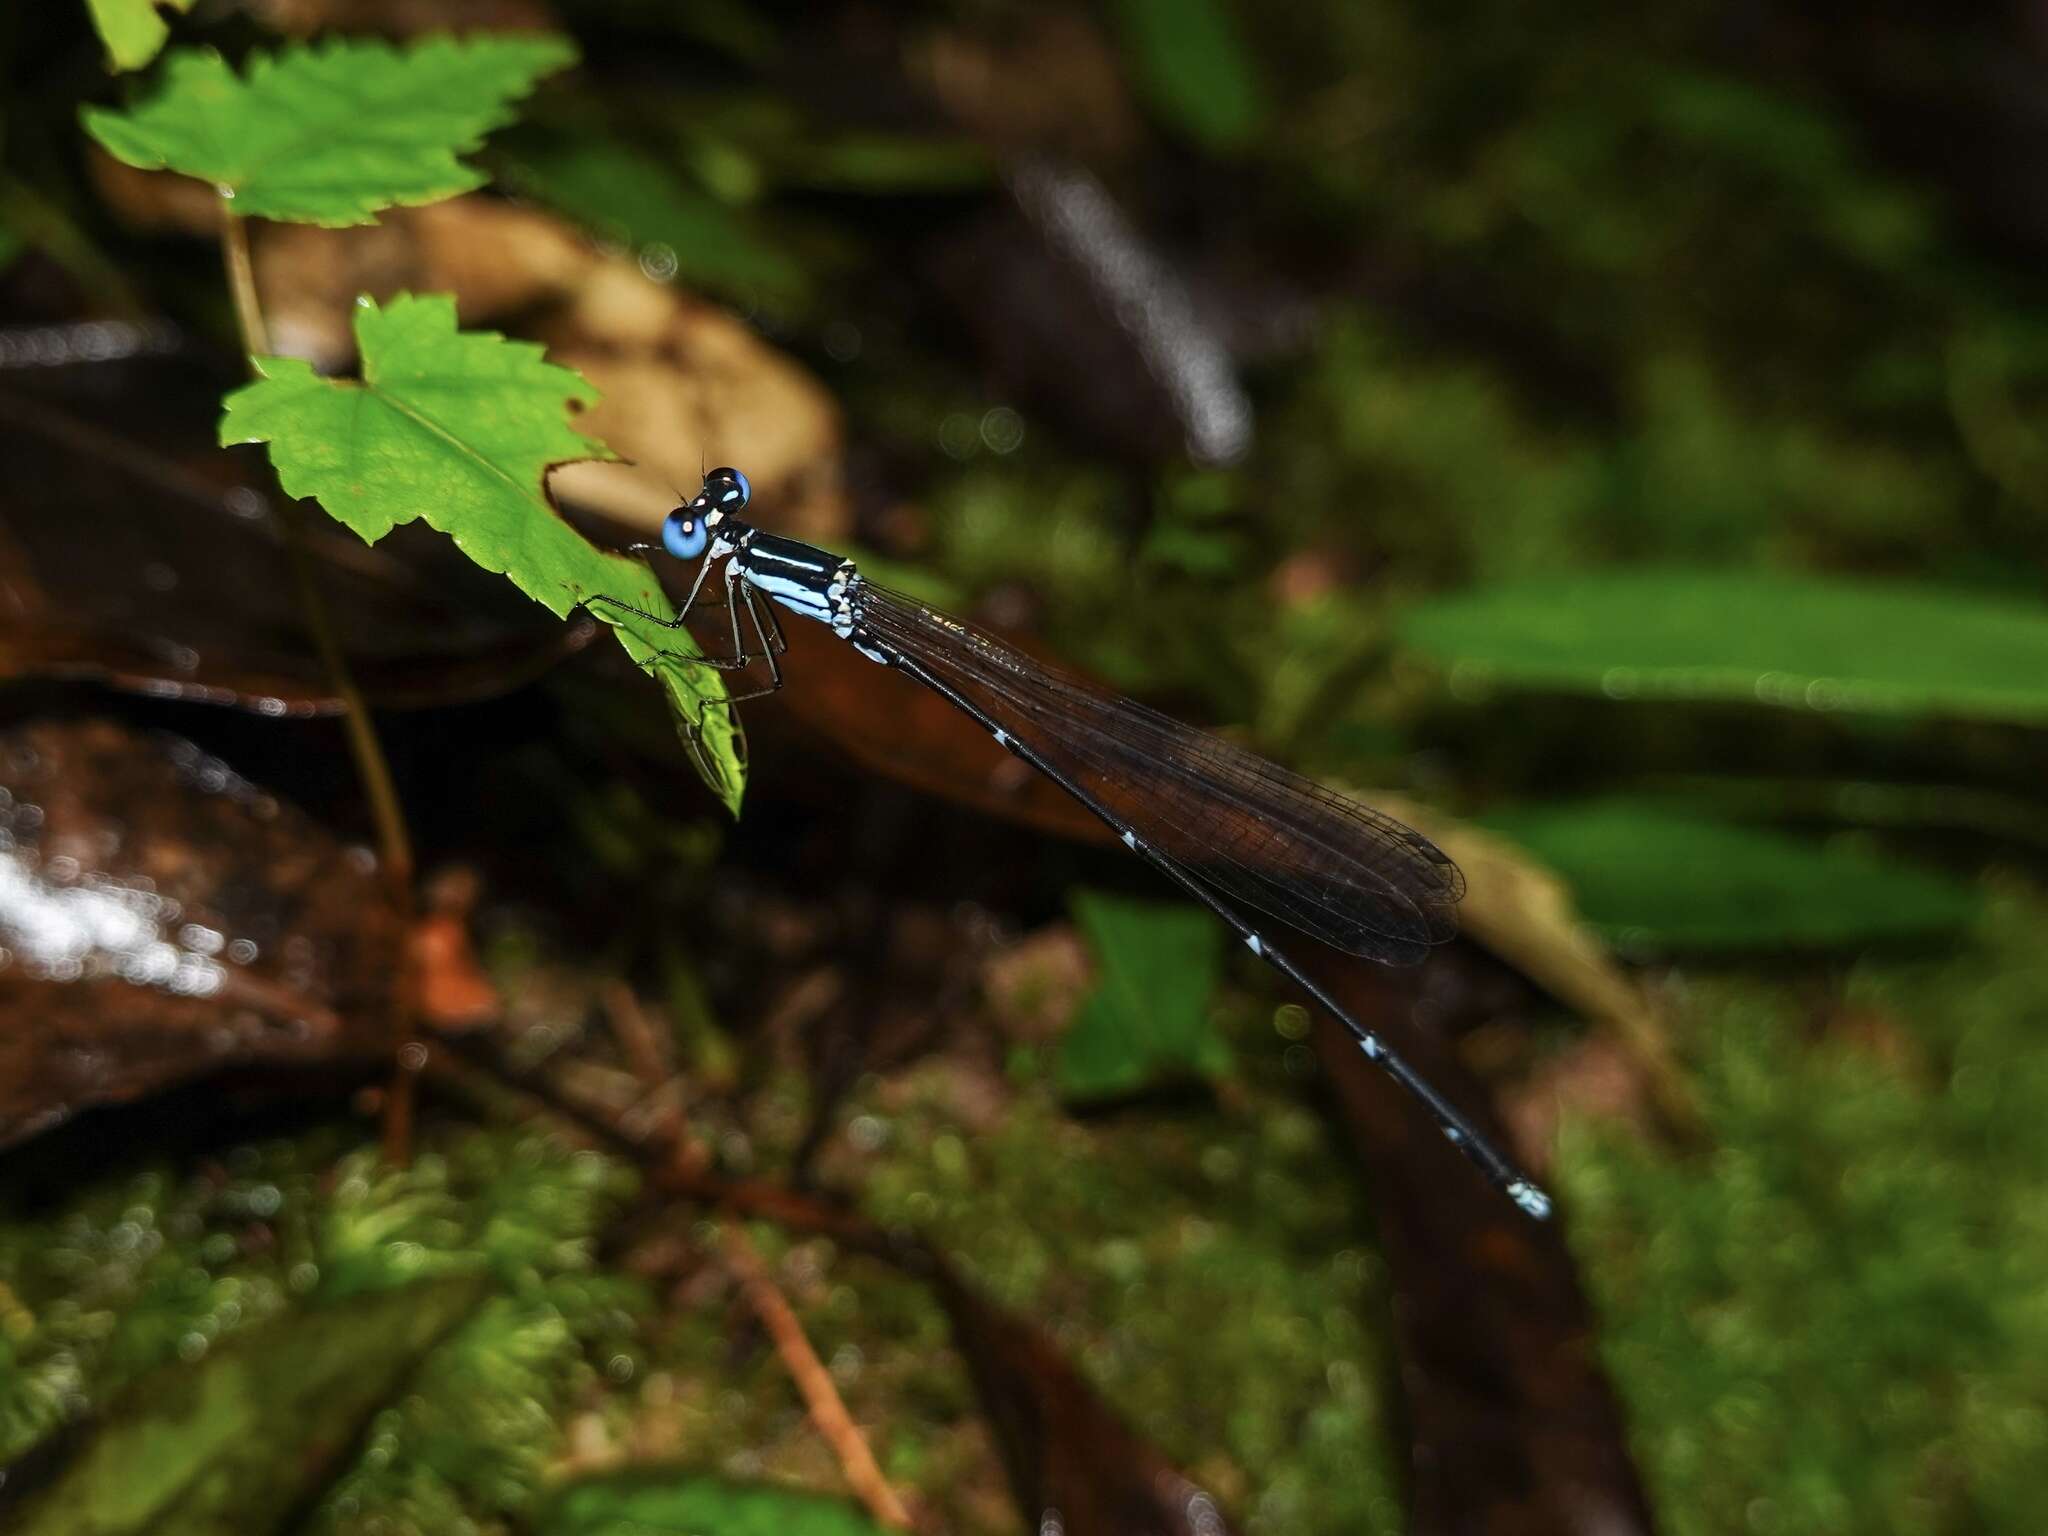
159	1269
1835	1318
1205	1269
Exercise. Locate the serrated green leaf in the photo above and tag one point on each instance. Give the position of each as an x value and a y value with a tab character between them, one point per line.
1804	641
1193	69
331	133
459	428
646	1500
1149	1014
1650	876
240	1439
132	29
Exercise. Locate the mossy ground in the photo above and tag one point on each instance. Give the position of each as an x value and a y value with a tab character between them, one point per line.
1832	1318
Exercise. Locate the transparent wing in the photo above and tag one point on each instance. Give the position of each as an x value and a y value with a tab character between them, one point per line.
1340	872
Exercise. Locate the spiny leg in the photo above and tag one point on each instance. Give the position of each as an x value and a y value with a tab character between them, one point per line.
771	641
682	613
737	592
768	649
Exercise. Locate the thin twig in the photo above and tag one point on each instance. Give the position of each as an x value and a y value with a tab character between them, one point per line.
476	1067
645	1050
533	1099
372	767
827	1409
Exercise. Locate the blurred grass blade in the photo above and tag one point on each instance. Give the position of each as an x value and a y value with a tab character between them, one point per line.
620	194
331	133
1193	69
1810	642
132	29
888	165
650	1499
1149	1014
1650	876
459	428
239	1440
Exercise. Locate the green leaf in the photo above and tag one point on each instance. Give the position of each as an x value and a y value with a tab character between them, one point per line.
622	194
1650	876
1804	641
1193	69
331	133
459	428
646	1500
1149	1013
882	165
239	1440
132	29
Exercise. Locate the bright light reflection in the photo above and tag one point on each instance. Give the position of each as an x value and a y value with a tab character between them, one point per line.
63	932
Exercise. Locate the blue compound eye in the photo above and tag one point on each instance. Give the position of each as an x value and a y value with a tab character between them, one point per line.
728	489
684	535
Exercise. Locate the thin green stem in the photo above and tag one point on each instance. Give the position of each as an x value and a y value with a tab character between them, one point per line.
373	768
234	239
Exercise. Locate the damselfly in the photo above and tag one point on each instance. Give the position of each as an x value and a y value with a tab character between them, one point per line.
1225	826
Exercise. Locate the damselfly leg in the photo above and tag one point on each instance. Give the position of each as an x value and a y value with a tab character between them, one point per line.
767	632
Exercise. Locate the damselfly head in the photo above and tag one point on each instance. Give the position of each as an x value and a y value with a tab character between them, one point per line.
726	489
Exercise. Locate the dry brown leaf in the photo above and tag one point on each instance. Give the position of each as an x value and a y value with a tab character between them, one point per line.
1052	85
154	202
498	259
161	921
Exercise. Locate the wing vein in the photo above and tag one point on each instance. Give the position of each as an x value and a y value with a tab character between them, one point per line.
1342	873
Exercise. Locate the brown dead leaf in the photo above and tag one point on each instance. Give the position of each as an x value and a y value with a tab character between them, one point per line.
136	554
161	919
499	260
1043	81
154	202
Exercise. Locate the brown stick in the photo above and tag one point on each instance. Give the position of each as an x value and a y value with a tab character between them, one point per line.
645	1049
827	1409
685	1174
649	1055
486	1078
